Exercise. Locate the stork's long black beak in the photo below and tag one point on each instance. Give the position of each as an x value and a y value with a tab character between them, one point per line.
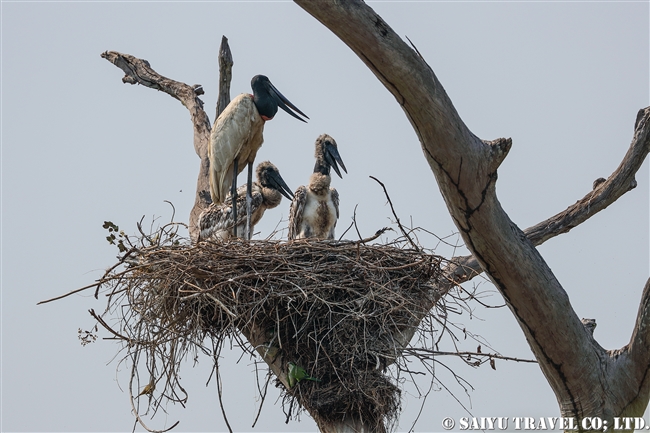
280	185
285	104
332	156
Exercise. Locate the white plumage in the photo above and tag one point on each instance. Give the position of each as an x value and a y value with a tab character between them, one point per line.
237	133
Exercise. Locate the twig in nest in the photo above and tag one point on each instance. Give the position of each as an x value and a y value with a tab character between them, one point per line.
108	328
96	284
419	352
353	223
399	224
70	293
262	396
373	237
134	409
219	391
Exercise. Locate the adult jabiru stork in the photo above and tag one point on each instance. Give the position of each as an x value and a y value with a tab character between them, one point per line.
217	222
315	207
236	137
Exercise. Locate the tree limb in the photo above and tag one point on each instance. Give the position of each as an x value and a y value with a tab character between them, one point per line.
202	198
139	71
606	193
639	346
225	75
465	167
633	362
622	180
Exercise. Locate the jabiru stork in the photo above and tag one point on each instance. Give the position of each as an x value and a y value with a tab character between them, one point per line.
236	137
315	207
217	222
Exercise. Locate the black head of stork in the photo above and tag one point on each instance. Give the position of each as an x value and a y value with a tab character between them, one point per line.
268	176
267	99
327	155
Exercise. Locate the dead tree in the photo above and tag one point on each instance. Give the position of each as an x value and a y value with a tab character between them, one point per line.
587	379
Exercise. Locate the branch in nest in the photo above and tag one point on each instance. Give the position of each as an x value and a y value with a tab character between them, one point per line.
399	224
431	353
96	284
108	328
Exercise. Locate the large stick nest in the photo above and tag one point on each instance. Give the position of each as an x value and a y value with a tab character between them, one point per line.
340	310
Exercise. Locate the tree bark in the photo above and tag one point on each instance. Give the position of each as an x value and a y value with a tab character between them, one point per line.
606	192
225	76
138	71
587	380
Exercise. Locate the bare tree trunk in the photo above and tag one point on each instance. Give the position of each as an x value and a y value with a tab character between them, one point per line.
587	380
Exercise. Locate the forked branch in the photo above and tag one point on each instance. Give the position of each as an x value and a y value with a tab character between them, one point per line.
576	367
622	180
139	71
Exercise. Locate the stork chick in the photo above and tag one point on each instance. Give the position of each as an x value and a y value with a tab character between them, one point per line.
315	207
217	221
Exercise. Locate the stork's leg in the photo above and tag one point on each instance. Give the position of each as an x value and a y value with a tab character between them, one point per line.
233	196
249	202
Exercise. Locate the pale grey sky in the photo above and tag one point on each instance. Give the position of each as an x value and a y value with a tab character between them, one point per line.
563	79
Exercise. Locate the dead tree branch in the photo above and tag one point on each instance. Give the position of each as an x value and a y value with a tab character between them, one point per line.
139	71
580	372
225	76
577	368
622	180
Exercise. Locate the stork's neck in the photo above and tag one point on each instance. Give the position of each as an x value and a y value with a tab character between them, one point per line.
322	168
319	183
271	197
